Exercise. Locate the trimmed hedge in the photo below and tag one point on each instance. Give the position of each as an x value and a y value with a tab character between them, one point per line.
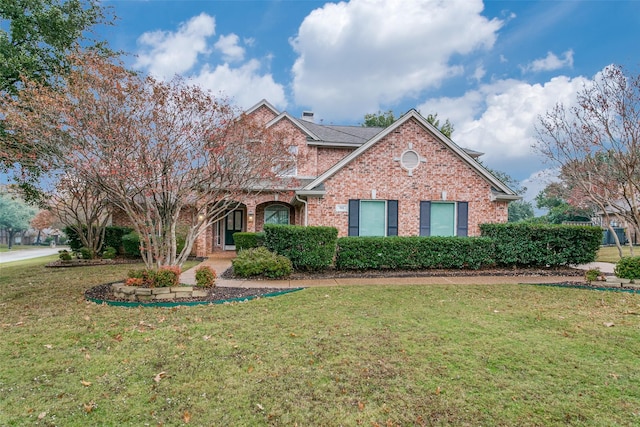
131	244
535	245
412	253
308	248
246	240
112	237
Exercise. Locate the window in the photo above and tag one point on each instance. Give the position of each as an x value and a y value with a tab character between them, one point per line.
289	165
444	218
373	217
276	214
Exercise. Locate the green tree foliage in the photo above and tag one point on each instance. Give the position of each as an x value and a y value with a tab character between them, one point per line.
379	119
382	120
446	128
520	210
37	35
559	210
36	38
15	215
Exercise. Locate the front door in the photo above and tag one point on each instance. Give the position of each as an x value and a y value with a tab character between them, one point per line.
233	224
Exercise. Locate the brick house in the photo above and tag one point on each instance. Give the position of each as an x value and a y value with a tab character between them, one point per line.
407	179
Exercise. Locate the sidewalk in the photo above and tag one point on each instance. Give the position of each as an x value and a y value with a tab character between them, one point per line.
22	254
220	262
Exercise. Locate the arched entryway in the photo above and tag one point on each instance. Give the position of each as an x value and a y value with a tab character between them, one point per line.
274	212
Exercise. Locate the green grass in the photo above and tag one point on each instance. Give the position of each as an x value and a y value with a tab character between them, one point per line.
385	355
611	254
5	248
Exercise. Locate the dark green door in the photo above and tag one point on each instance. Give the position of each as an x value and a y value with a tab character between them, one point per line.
233	224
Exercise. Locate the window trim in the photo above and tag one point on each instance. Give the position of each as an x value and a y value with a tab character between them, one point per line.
285	207
386	214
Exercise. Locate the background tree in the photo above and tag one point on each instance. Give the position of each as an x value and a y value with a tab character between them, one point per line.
84	208
387	118
165	153
42	220
596	144
36	37
379	119
554	199
14	216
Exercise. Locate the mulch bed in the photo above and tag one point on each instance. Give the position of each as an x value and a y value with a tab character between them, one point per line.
104	293
367	274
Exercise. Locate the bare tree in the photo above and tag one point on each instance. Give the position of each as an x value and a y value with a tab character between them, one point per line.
164	153
596	143
84	208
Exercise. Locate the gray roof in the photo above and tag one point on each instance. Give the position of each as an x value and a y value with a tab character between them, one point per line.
356	135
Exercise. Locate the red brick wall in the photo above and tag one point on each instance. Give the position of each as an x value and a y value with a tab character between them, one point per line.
377	170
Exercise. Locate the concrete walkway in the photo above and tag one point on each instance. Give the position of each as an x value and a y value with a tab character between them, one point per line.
221	262
22	254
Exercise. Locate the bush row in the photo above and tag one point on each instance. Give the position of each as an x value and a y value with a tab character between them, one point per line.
413	253
534	245
521	245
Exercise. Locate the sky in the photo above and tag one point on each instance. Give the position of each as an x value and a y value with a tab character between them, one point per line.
489	67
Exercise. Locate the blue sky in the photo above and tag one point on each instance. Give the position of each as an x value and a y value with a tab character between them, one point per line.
490	67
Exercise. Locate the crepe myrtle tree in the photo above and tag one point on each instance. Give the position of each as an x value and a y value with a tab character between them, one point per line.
596	144
168	154
83	207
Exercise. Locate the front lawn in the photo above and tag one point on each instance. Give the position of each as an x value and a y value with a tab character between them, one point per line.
611	254
378	355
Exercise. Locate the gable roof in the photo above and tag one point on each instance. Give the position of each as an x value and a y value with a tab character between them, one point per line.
502	192
262	103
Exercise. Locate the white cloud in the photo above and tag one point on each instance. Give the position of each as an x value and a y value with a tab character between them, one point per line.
538	181
245	85
165	53
353	57
499	119
551	62
231	51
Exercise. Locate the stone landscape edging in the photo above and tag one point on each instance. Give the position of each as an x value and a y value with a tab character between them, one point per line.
187	303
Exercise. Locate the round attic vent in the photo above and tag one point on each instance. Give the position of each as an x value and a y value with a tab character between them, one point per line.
410	160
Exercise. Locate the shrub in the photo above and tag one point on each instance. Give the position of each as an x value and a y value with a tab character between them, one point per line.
134	281
359	253
64	255
538	245
131	244
245	240
113	237
147	276
628	268
205	276
592	275
308	248
86	253
260	261
73	240
167	277
109	252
